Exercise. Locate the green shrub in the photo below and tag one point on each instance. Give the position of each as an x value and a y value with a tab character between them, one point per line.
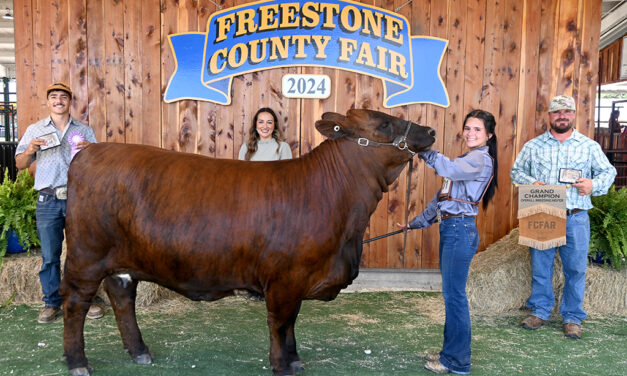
18	203
608	226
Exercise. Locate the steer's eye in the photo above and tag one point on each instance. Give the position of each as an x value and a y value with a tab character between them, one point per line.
385	129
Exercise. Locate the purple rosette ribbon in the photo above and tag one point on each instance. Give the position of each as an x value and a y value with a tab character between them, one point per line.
74	139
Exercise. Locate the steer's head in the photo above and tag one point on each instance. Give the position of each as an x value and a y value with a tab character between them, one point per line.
376	129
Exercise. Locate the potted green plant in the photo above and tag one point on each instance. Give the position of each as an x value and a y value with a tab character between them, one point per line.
18	202
608	227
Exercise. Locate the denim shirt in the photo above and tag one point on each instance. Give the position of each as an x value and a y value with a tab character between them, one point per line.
470	173
53	163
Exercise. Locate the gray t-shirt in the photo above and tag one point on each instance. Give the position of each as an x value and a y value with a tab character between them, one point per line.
267	151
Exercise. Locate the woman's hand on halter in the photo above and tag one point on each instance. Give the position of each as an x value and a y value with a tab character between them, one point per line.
406	226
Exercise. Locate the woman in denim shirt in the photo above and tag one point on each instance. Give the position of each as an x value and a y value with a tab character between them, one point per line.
468	180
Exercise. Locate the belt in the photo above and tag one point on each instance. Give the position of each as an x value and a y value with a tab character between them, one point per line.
48	191
573	211
444	216
60	193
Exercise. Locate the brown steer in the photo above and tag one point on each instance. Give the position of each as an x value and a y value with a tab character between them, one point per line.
287	230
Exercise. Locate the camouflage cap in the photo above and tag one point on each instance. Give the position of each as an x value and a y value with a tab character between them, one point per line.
562	102
59	86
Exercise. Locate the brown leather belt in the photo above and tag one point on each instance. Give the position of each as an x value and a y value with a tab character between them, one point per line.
60	193
448	215
573	211
48	191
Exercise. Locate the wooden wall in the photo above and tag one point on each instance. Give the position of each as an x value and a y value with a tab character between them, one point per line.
610	62
505	56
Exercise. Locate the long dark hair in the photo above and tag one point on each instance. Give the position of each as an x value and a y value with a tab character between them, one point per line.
489	124
253	135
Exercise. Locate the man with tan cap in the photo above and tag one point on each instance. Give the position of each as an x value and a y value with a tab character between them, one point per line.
52	142
562	155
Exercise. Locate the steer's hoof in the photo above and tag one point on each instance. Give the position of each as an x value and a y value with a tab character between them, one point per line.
81	371
297	366
143	358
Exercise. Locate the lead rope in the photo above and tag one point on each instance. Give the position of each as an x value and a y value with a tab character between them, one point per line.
406	211
406	218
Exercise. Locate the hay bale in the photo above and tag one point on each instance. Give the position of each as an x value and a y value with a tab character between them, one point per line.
606	291
20	275
149	293
500	281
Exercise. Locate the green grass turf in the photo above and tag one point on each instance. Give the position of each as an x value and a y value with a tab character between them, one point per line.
380	333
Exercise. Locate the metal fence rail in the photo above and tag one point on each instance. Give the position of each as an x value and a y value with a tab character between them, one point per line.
614	145
7	159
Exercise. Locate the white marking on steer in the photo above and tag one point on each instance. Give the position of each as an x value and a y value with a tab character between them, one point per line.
125	279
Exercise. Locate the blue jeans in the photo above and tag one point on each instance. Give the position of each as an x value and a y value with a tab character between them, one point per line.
50	224
574	257
459	240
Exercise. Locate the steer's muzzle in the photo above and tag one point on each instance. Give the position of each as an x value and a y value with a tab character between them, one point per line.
422	138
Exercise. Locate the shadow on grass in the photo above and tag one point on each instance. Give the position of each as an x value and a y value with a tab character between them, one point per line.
381	333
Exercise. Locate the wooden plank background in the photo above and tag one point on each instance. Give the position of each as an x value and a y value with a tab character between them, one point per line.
610	60
505	56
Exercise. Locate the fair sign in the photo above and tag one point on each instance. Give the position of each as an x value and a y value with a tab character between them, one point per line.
336	34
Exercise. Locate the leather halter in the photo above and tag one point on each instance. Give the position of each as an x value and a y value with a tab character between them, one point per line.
399	142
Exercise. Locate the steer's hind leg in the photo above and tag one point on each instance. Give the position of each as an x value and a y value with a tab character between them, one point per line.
122	293
76	301
282	314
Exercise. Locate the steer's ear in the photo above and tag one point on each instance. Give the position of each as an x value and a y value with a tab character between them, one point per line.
332	125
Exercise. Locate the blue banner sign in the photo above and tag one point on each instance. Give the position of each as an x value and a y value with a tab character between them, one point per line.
333	33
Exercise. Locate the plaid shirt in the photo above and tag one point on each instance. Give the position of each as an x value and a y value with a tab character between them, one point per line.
53	163
542	157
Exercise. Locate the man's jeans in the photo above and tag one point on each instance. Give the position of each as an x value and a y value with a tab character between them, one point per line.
50	225
574	257
458	243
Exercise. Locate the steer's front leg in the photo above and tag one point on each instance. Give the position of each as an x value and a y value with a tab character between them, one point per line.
282	315
290	342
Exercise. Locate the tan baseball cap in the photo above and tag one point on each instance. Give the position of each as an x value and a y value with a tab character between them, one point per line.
59	86
562	102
